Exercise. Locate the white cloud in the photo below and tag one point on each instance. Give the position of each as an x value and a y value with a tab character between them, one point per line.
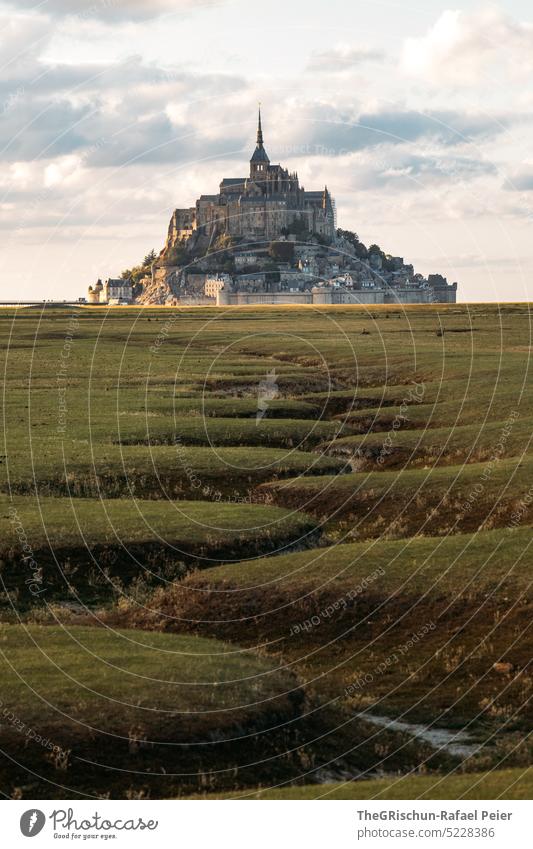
112	10
460	47
329	129
22	37
393	152
111	114
343	58
520	179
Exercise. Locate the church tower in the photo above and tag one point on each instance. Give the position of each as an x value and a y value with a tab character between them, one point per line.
259	162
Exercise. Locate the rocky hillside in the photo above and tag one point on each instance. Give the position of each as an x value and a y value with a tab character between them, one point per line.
160	287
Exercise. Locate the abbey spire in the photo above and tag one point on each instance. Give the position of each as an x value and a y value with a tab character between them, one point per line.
259	131
259	162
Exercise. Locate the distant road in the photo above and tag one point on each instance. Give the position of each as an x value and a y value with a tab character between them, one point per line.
42	303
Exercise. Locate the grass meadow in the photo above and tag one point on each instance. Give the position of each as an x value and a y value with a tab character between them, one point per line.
266	552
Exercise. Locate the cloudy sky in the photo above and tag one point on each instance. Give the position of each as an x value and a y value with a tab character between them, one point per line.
417	115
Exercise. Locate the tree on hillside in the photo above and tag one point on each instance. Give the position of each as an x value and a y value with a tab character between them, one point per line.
349	236
134	274
137	273
353	239
150	258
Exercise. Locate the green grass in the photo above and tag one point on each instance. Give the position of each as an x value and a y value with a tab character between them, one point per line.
232	407
406	502
103	422
441	445
70	681
90	547
288	433
345	618
88	711
421	564
147	459
94	522
508	784
105	470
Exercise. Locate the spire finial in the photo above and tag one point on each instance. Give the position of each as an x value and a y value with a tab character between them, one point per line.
259	129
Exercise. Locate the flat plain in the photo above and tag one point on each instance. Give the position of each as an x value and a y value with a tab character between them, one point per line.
266	552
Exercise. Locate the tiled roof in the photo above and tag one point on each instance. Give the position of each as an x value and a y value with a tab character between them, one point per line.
259	155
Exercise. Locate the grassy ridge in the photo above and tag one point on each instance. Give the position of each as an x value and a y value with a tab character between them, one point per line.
69	679
113	471
89	547
509	784
417	628
443	445
139	444
70	524
421	563
405	502
86	709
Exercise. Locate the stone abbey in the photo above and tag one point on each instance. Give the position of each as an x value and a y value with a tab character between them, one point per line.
265	239
262	206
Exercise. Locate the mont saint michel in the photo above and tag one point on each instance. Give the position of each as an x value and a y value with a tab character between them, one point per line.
265	239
